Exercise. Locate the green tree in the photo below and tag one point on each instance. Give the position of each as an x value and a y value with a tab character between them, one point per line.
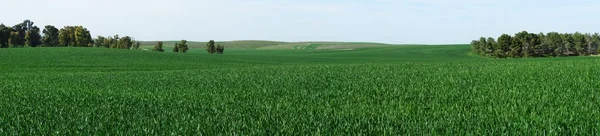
15	39
501	49
115	42
158	47
567	44
579	43
125	43
484	49
21	29
592	42
100	41
220	49
75	36
534	45
491	43
525	44
50	38
105	42
183	47
17	36
176	47
4	35
33	37
554	42
83	38
475	46
210	47
66	36
520	45
541	49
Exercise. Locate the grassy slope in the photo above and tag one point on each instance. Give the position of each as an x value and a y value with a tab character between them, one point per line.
386	90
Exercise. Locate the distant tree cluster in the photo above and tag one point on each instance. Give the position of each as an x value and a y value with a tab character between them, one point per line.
181	47
75	36
158	47
525	44
26	34
20	35
212	49
116	42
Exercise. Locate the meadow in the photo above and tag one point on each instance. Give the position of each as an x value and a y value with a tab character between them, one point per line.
295	89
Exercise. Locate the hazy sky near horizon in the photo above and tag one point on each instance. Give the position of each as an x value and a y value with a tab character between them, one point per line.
387	21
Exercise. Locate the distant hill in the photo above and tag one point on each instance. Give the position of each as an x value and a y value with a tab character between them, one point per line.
258	44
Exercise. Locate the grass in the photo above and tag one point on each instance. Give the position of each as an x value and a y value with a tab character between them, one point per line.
384	90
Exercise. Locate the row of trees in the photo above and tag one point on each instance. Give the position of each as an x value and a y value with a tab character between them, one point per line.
525	44
27	34
72	36
22	34
117	42
183	47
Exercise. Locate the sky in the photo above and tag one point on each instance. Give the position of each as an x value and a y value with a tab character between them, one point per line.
384	21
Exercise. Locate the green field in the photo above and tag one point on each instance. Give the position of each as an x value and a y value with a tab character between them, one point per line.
308	88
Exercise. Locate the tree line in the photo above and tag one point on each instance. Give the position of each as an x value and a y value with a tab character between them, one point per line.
116	42
525	44
26	34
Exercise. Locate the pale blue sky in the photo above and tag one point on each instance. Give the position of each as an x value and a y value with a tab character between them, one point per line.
388	21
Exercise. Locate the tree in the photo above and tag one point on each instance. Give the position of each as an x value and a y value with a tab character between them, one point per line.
541	49
65	36
100	41
158	47
592	43
33	37
534	44
475	45
22	29
525	44
15	39
183	47
220	49
75	36
554	41
27	25
567	44
176	47
17	36
4	35
501	49
484	49
105	42
210	47
82	36
115	42
491	43
125	43
579	43
520	45
50	36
